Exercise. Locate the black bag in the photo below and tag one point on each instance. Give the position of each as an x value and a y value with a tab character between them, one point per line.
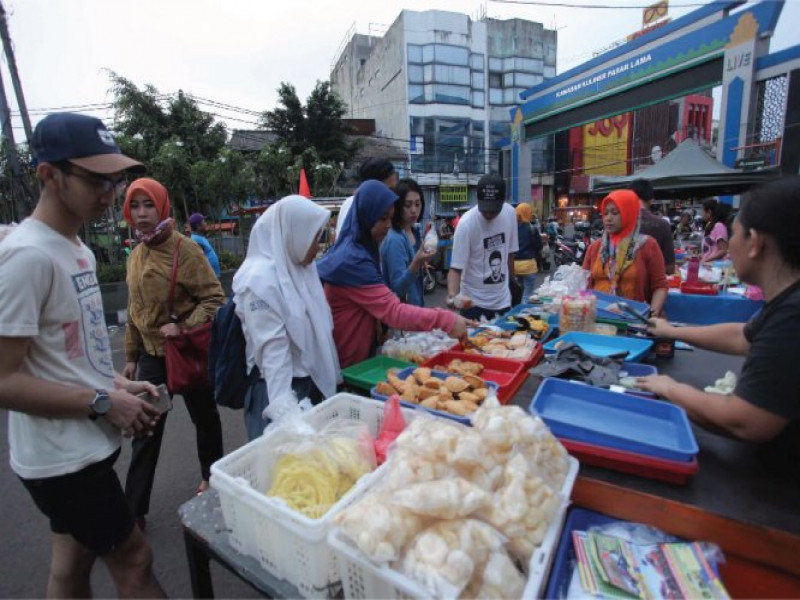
227	359
516	291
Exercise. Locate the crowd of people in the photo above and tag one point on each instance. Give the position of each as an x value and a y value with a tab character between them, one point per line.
304	319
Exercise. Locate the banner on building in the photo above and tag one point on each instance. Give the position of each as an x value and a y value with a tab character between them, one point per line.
605	146
453	194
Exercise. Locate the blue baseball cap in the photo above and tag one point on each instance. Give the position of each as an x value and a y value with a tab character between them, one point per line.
81	140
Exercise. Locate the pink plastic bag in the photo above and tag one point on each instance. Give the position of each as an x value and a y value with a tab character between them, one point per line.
393	425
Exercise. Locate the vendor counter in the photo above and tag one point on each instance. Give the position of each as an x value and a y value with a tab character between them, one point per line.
753	515
697	309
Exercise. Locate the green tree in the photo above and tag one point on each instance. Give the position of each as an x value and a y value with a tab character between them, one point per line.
314	134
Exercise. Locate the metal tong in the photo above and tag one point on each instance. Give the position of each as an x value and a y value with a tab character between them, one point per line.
631	311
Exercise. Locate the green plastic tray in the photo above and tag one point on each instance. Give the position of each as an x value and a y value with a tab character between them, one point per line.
367	374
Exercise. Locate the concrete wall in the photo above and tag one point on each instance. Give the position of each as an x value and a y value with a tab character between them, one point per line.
115	298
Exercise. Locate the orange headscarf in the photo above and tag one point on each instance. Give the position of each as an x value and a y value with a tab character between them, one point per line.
524	212
627	203
154	190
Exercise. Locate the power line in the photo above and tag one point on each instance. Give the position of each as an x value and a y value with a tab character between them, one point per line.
591	6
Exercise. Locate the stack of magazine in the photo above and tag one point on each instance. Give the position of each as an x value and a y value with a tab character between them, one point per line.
611	567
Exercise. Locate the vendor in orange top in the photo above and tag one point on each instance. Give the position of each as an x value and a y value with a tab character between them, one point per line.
625	262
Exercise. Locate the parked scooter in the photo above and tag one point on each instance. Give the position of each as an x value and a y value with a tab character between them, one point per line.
434	273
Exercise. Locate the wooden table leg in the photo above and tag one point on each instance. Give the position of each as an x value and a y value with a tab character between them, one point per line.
199	567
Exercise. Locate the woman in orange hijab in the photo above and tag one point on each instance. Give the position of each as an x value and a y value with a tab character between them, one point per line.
625	262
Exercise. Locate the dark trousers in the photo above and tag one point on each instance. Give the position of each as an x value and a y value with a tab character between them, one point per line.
476	312
203	412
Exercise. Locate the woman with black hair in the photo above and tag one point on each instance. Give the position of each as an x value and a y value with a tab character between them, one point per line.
402	254
765	406
716	232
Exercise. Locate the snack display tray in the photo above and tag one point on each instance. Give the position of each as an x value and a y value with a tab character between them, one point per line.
604	345
368	373
641	425
670	471
605	300
509	375
439	413
363	578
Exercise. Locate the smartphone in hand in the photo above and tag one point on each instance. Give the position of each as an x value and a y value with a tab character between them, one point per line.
163	402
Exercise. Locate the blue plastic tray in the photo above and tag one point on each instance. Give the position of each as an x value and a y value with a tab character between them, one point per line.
640	370
588	414
604	345
604	300
439	413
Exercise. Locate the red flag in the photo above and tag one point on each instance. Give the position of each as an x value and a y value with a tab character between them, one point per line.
304	189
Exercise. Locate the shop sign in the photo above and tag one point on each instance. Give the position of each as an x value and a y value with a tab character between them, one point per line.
450	194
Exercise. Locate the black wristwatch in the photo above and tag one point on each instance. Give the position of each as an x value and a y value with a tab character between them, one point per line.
100	405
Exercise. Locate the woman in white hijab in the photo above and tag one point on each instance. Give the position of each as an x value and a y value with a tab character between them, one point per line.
286	320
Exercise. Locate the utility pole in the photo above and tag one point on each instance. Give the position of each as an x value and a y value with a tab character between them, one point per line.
20	195
12	67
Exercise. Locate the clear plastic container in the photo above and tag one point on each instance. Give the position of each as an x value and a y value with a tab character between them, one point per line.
578	313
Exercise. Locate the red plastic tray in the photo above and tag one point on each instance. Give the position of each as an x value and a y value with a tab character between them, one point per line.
508	374
671	471
700	287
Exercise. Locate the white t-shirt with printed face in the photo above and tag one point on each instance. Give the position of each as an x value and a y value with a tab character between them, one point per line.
49	293
480	251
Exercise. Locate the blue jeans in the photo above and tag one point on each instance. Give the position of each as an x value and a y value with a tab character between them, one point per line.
528	285
256	400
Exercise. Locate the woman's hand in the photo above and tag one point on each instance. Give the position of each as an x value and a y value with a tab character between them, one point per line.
420	258
129	372
170	330
657	384
459	330
661	328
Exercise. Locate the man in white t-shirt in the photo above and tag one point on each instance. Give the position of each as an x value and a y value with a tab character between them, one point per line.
483	252
68	409
379	169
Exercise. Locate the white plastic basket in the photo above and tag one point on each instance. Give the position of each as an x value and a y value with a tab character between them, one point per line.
288	544
363	578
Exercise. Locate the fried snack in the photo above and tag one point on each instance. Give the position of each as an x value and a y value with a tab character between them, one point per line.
398	384
468	397
455	407
481	394
384	389
433	383
426	392
422	374
456	384
474	381
432	402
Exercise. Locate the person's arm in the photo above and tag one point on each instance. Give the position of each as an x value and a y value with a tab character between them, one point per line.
725	338
266	334
401	272
729	414
379	301
657	301
201	285
24	393
453	284
719	236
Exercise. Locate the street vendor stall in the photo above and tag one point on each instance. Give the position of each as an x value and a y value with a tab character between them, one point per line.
731	501
698	309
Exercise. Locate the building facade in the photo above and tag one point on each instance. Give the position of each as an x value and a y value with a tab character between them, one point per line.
442	85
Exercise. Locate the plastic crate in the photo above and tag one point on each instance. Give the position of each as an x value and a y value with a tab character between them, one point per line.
366	374
363	578
286	543
509	375
439	413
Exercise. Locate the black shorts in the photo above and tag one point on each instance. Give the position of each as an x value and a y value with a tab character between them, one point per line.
89	505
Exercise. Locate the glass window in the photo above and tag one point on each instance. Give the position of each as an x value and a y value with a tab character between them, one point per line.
478	80
429	70
495	64
427	53
510	96
450	94
495	80
417	125
508	80
476	61
477	127
495	96
549	72
531	65
449	74
499	128
478	99
527	80
452	55
414	53
415	73
415	94
508	64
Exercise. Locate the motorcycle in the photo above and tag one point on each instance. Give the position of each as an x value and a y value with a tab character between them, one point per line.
434	273
568	252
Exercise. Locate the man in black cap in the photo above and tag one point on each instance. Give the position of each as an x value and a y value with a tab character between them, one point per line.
483	253
68	409
380	169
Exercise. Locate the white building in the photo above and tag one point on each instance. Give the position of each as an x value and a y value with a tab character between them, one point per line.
442	85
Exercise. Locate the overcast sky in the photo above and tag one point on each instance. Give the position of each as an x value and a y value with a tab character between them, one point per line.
237	52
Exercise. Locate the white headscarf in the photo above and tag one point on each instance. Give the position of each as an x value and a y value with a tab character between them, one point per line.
279	241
